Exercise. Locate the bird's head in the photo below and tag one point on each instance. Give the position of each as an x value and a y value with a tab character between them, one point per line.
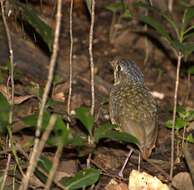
125	70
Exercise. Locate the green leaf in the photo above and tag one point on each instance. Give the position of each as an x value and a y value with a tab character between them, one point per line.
189	33
122	137
45	164
188	49
127	14
188	16
103	131
61	133
168	124
115	7
89	5
83	114
190	138
78	140
5	107
178	46
183	114
190	115
31	120
156	25
187	115
107	131
172	22
145	5
179	124
83	178
50	103
179	109
185	48
4	114
40	26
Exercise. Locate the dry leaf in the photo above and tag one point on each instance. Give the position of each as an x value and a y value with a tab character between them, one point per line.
114	185
17	99
182	181
66	168
20	99
143	181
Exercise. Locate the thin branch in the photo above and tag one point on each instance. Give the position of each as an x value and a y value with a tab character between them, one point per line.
170	5
54	166
58	184
6	172
179	57
60	147
33	159
11	59
40	147
91	56
70	59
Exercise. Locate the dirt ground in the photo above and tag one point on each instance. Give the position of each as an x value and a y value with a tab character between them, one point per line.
126	40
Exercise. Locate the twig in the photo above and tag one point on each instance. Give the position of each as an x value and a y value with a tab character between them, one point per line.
6	172
179	57
70	59
33	159
60	146
91	56
40	146
170	5
11	59
58	184
54	166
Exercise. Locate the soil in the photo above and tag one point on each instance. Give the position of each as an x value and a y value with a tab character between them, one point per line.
127	40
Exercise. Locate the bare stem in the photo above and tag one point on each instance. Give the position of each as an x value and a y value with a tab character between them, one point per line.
60	146
70	59
179	57
40	147
54	166
6	172
11	59
91	56
34	157
170	5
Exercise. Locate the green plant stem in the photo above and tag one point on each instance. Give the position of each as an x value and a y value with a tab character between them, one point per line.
11	72
179	58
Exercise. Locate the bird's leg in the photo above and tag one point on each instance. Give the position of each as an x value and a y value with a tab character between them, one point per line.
125	163
139	162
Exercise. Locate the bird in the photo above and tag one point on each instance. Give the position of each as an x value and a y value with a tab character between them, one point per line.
132	107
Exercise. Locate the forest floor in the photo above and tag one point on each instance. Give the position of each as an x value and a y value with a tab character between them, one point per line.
126	39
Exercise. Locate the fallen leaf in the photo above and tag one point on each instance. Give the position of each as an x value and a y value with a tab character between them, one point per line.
144	181
114	185
17	99
182	181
